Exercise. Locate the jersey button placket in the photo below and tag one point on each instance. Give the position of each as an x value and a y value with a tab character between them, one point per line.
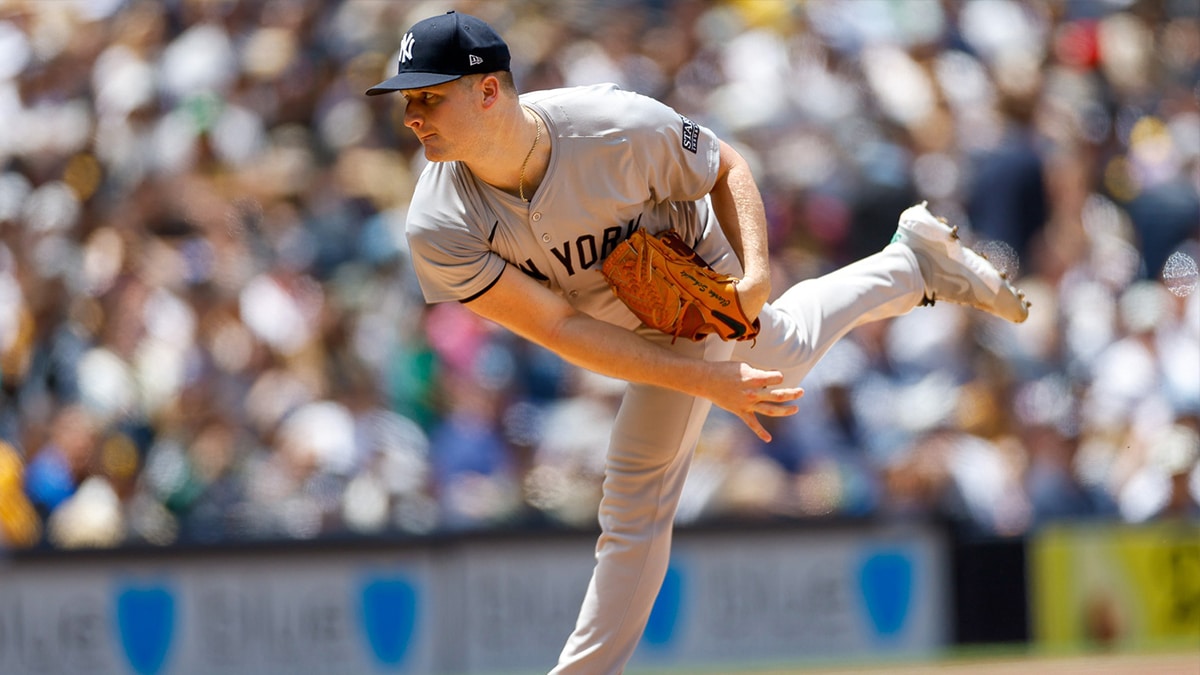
546	237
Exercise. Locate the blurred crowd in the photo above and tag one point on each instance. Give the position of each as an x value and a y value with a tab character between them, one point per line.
209	329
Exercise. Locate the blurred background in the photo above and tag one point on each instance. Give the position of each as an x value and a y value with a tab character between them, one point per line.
210	334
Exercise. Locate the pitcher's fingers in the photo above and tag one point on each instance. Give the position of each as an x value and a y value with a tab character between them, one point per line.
761	378
776	409
782	395
751	421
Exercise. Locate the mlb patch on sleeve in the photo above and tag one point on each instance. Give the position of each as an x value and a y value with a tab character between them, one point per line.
691	135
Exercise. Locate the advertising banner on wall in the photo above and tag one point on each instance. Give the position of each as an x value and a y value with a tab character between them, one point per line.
490	606
1116	586
736	598
826	595
220	616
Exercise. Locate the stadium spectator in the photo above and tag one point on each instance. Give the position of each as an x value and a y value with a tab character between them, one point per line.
209	330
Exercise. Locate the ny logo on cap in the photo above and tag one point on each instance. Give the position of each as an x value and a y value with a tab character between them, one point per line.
406	46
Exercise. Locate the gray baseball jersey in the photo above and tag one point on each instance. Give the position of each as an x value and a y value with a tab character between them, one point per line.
620	161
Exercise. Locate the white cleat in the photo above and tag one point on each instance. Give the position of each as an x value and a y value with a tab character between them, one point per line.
955	273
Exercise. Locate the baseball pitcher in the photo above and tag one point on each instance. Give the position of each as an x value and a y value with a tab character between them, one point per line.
630	240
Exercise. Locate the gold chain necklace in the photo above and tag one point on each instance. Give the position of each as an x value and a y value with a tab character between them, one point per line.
537	137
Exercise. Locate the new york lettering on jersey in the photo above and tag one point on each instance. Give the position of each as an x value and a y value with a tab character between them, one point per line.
587	252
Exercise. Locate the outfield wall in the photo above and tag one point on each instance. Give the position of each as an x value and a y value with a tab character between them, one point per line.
504	603
470	605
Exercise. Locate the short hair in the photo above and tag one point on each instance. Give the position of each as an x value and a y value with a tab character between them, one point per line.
505	78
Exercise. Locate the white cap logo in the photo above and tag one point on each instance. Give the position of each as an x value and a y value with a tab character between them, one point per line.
474	60
406	46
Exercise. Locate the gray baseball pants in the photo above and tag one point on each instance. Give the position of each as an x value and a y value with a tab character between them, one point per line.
656	431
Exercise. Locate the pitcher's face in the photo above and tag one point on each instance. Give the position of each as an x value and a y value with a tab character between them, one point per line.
444	118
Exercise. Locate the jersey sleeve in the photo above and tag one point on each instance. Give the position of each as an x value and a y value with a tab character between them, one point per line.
447	242
680	157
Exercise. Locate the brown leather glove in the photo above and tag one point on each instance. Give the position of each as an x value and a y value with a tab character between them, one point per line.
671	288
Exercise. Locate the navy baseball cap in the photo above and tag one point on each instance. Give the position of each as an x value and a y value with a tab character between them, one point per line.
444	48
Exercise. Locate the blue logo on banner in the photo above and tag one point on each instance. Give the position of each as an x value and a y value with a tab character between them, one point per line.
389	615
886	580
146	622
665	613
